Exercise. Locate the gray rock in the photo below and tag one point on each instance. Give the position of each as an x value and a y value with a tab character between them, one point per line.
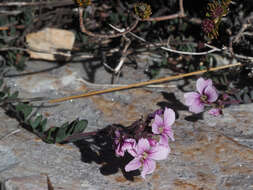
26	183
213	153
7	158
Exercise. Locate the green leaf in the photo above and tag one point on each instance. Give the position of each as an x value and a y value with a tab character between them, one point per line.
43	125
2	94
80	126
34	124
6	90
12	31
49	135
1	82
164	61
14	95
61	133
67	130
24	108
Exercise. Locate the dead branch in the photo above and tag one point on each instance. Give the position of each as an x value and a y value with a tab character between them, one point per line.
180	14
141	84
50	3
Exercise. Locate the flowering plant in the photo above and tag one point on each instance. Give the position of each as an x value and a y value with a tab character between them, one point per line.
147	141
216	10
206	95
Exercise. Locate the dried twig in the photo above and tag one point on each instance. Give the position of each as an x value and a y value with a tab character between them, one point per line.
244	27
180	14
95	85
51	3
191	53
10	133
124	52
141	84
9	26
15	12
236	38
124	55
213	49
227	52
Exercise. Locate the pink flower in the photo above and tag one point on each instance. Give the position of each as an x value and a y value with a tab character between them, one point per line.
153	140
123	144
145	156
162	126
206	94
215	112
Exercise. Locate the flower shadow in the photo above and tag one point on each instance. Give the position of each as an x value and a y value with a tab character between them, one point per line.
173	103
99	149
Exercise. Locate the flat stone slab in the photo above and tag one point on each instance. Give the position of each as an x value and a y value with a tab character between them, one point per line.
8	159
209	153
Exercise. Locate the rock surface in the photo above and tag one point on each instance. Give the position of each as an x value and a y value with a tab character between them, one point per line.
208	154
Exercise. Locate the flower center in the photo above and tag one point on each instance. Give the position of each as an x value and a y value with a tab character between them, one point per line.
160	129
144	157
204	98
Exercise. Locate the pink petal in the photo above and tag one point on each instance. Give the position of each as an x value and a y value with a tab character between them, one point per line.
202	84
190	97
132	151
211	93
116	141
215	112
156	124
152	142
164	140
168	131
143	145
117	137
133	165
148	167
197	107
129	144
119	151
169	116
117	133
159	152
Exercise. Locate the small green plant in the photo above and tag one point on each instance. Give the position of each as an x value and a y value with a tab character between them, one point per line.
24	113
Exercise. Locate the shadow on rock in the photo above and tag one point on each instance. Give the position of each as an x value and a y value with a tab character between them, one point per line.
194	117
173	103
99	149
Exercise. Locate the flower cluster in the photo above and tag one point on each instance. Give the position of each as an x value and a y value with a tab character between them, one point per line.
83	3
209	27
143	10
216	10
207	95
149	146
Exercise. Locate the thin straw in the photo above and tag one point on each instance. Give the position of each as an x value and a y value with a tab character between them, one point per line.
140	84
